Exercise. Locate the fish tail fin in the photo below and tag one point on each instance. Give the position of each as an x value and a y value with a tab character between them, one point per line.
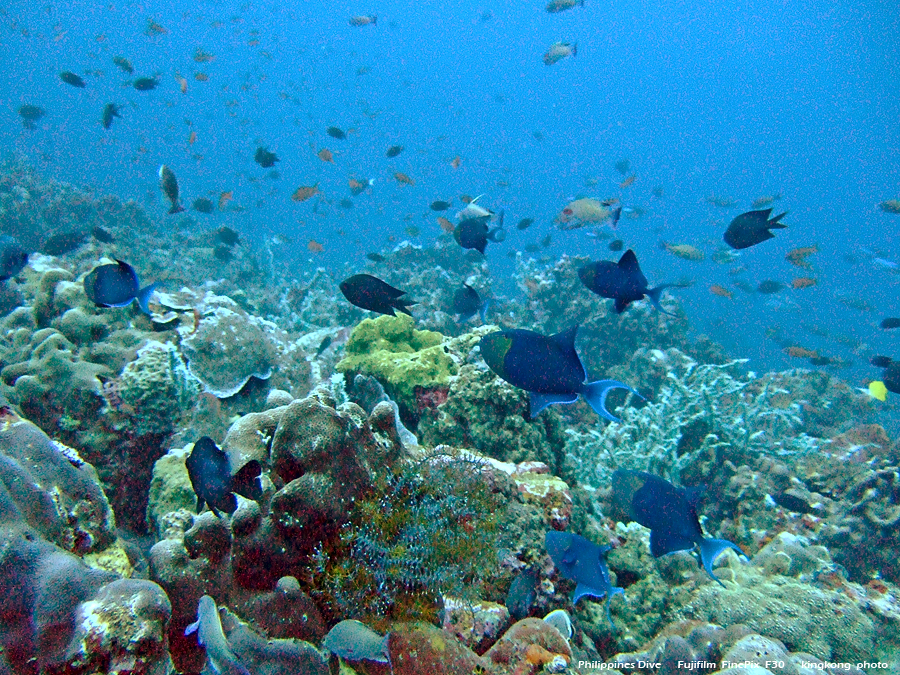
654	294
710	549
176	208
613	590
595	394
374	19
402	305
144	295
575	46
773	222
484	310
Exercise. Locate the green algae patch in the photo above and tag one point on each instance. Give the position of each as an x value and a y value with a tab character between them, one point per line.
390	349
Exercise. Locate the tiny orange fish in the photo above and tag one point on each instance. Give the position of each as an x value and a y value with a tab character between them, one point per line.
325	155
182	83
801	353
192	138
314	246
803	282
403	179
154	28
446	225
201	56
465	199
224	198
301	194
201	77
455	162
721	291
252	43
628	181
798	256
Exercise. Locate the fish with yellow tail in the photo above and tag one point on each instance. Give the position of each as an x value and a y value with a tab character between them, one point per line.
169	186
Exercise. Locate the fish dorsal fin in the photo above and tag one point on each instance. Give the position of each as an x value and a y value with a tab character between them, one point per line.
566	339
629	262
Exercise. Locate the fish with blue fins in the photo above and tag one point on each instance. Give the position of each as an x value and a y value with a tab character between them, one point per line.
214	482
547	367
117	285
583	562
169	186
467	302
671	514
623	282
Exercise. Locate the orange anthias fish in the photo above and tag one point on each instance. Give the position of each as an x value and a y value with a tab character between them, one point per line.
325	155
224	198
801	353
798	256
201	56
403	179
455	162
314	246
201	77
182	83
301	194
628	181
803	282
721	291
446	225
192	138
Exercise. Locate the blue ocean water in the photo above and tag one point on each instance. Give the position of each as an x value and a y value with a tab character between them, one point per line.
733	99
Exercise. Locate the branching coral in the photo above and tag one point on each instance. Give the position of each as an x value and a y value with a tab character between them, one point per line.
702	409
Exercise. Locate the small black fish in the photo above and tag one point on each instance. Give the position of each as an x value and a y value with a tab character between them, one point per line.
71	78
889	323
102	235
323	345
346	203
466	302
31	114
671	514
768	287
12	257
616	245
394	150
375	257
336	132
751	228
584	562
225	235
473	233
117	285
881	361
524	224
214	483
110	111
203	205
265	158
522	594
891	377
623	166
145	83
123	64
546	241
623	282
63	242
169	186
440	205
368	292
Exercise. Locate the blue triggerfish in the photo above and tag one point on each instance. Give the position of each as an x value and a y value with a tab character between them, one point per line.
584	562
211	637
623	282
12	257
117	285
751	228
671	514
548	368
368	292
214	483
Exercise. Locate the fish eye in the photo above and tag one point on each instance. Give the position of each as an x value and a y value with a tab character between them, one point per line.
568	212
